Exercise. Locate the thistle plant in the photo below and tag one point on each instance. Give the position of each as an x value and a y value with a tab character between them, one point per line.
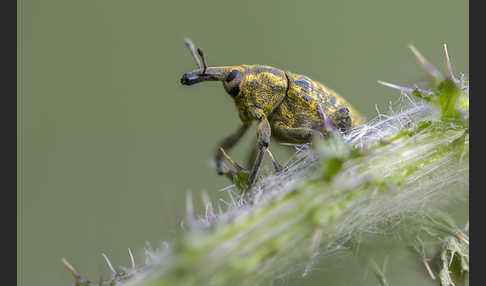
391	176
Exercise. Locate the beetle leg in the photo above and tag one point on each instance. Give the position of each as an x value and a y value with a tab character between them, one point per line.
326	124
276	165
239	170
296	135
252	156
227	143
263	139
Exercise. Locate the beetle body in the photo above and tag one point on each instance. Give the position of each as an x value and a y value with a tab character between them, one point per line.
288	107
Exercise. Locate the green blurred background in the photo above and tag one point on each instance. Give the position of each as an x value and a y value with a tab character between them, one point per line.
110	142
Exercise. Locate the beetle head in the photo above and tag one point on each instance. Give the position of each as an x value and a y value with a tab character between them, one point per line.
230	76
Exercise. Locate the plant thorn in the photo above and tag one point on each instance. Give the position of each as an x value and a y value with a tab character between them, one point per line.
208	205
113	271
428	67
132	260
462	238
70	268
403	89
449	65
191	220
429	270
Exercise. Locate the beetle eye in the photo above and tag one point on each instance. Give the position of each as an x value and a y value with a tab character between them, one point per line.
232	75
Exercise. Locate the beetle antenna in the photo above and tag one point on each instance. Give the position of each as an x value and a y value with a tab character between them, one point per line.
192	49
201	54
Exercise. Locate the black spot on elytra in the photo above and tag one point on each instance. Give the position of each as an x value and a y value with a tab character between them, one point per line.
303	84
307	98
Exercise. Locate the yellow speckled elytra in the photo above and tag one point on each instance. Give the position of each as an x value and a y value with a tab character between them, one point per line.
288	107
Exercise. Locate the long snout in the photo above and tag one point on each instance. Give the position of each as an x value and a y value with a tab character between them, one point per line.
199	75
190	78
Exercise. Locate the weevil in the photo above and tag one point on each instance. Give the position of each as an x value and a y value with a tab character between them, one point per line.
287	107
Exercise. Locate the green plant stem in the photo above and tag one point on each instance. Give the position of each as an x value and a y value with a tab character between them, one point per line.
270	237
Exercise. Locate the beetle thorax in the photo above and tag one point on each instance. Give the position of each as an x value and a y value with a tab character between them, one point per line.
262	89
